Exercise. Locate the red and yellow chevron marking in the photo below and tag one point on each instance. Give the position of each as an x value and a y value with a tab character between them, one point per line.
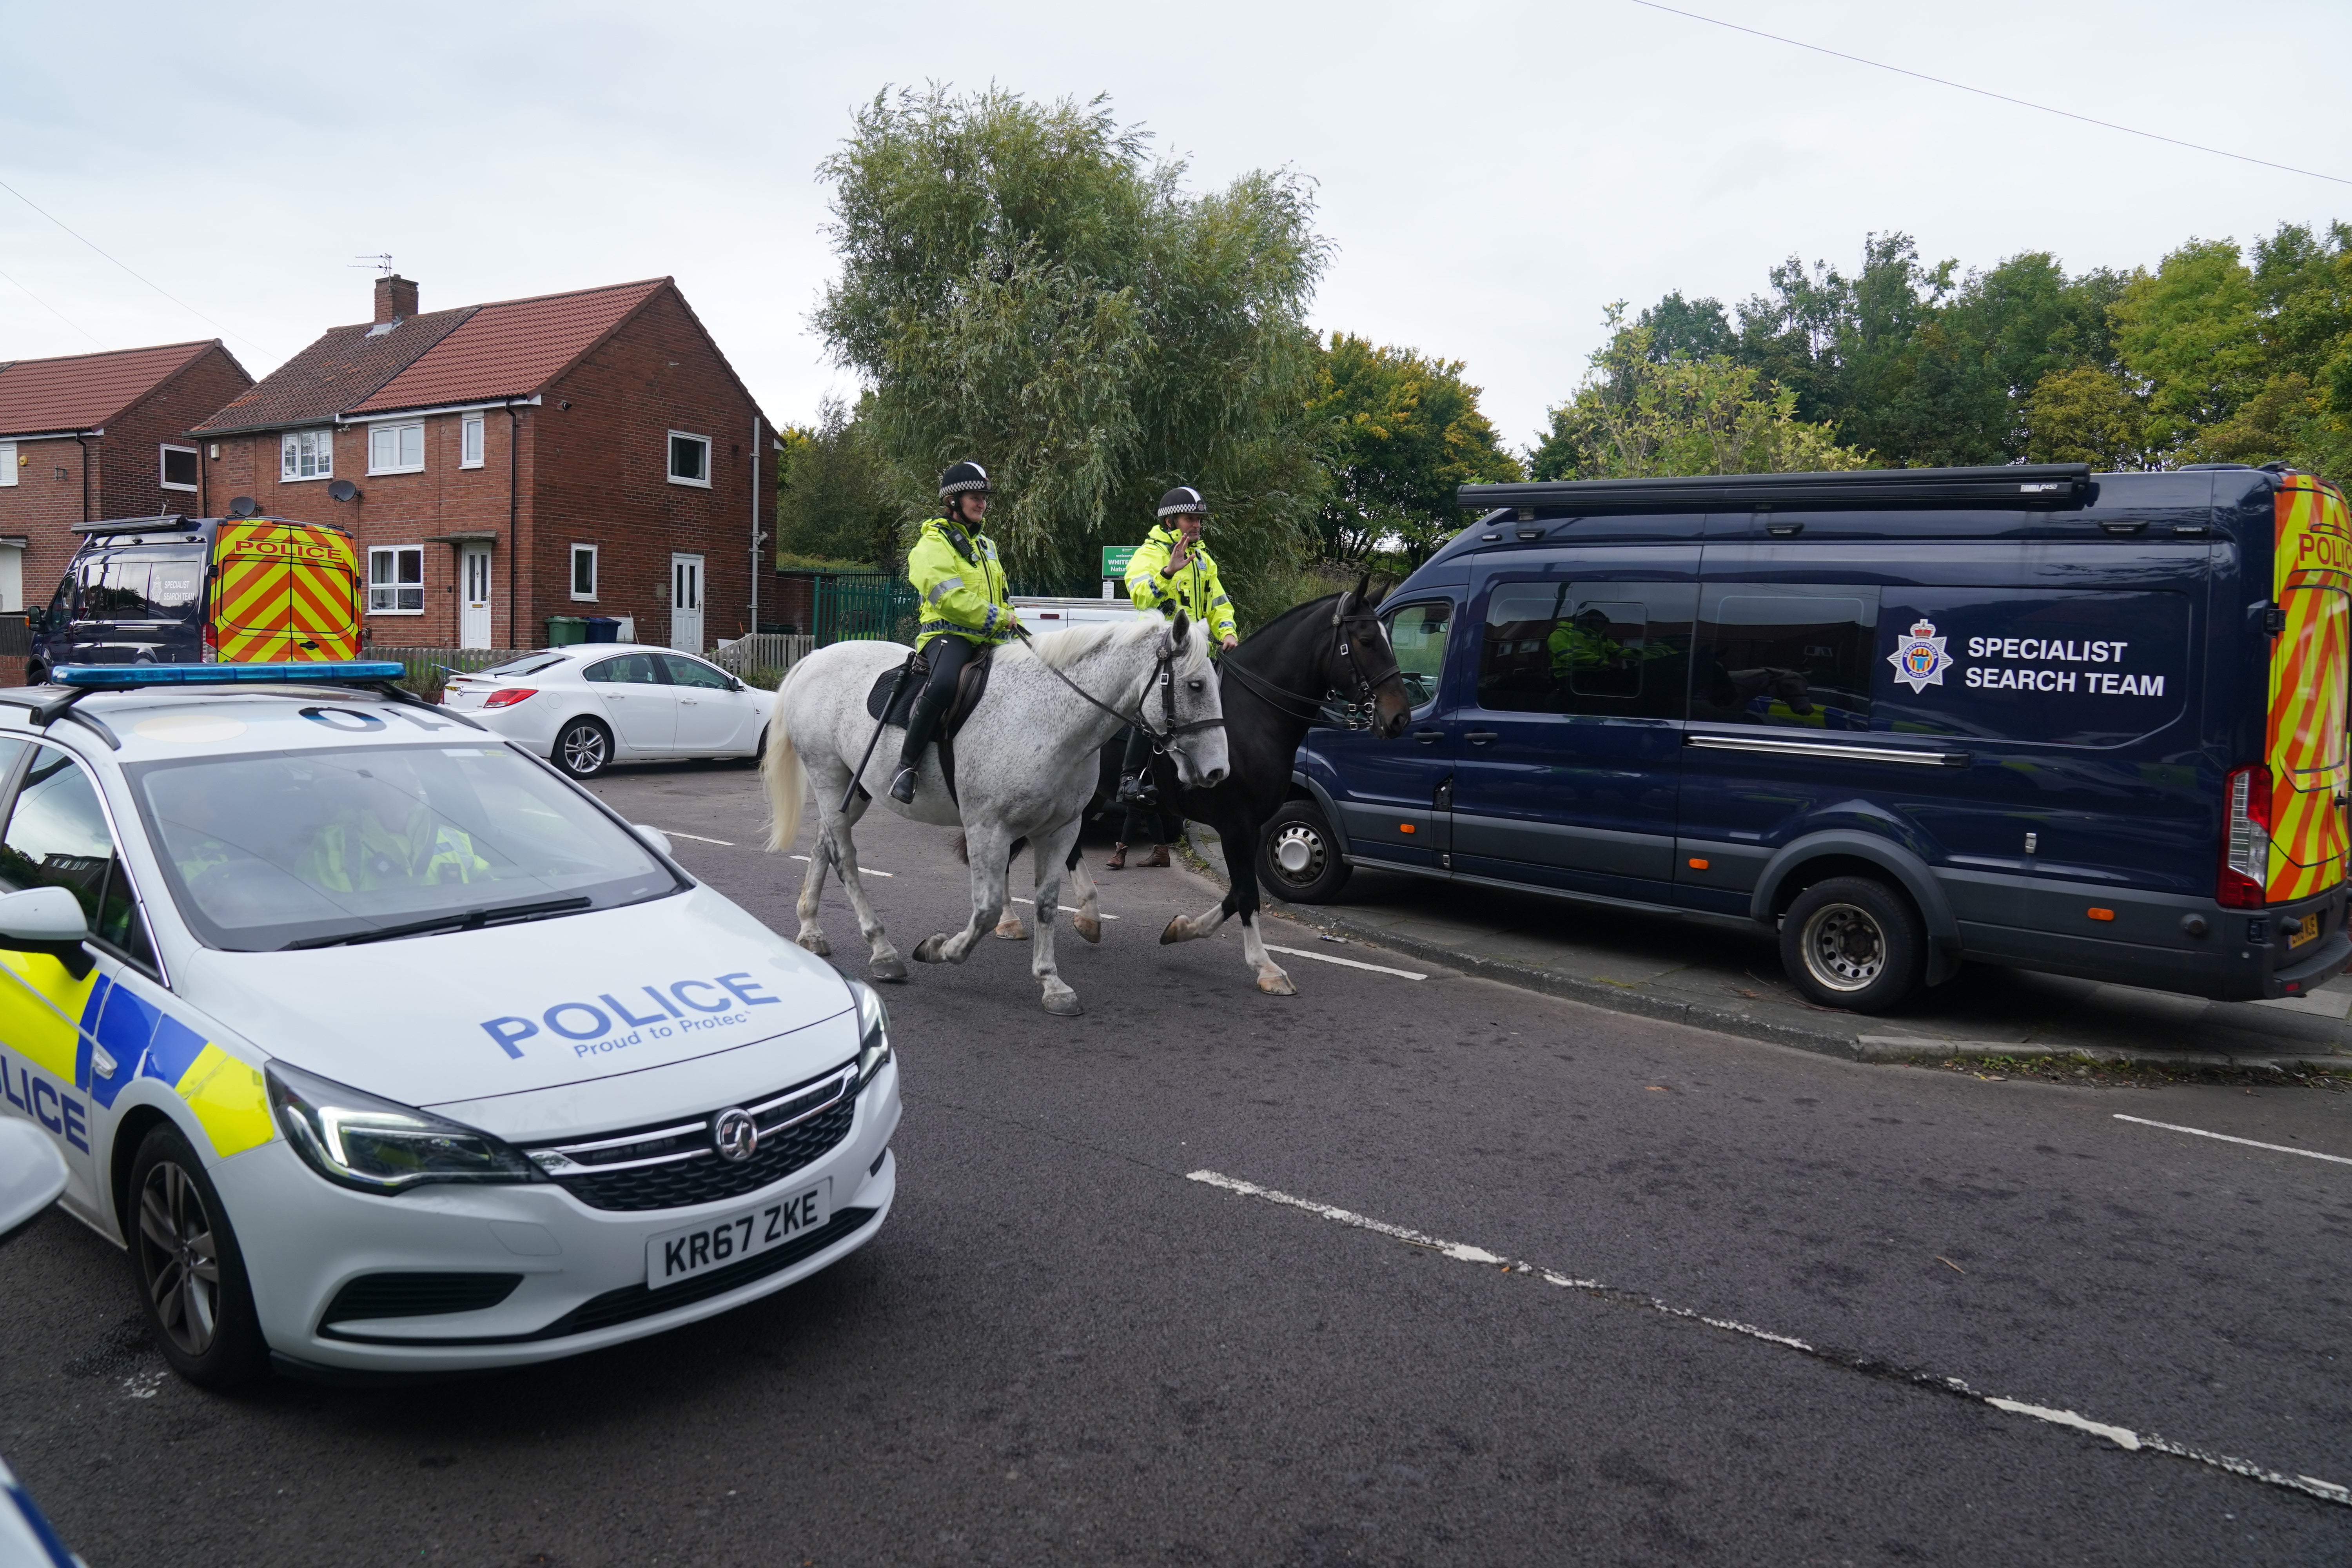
280	586
2311	661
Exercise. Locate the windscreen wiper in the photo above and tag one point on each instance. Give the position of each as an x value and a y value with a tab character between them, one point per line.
469	919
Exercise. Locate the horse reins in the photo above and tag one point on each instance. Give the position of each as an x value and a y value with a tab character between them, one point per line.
1279	696
1164	672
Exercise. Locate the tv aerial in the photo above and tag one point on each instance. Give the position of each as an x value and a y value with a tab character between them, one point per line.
382	263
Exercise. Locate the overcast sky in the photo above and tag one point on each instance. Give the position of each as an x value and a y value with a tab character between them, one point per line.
1492	175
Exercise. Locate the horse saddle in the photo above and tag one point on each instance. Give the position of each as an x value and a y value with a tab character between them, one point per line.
971	684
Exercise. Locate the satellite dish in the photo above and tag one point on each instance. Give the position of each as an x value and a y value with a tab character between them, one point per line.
342	490
243	506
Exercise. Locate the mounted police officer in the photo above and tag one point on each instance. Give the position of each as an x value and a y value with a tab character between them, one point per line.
1170	571
966	607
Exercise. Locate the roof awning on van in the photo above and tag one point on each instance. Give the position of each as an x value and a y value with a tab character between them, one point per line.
2009	484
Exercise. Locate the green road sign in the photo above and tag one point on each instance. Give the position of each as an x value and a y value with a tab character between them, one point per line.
1115	559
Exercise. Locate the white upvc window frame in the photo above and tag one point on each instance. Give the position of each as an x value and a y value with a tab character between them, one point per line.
294	445
577	552
669	459
395	586
164	466
395	430
8	463
472	441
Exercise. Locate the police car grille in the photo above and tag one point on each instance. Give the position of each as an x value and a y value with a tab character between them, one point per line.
705	1178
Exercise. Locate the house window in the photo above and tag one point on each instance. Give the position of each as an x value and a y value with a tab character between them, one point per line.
689	459
179	468
8	463
469	441
396	448
307	455
397	580
583	572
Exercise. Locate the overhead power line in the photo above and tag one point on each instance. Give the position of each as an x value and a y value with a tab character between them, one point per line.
53	310
191	309
1984	92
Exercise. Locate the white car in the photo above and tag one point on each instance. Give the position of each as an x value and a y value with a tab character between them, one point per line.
380	1044
593	704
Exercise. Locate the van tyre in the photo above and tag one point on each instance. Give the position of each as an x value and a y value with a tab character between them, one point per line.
1298	859
583	748
1854	942
189	1269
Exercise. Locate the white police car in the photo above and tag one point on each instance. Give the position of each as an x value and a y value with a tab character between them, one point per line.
381	1046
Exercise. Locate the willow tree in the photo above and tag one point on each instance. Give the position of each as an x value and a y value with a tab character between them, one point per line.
1021	284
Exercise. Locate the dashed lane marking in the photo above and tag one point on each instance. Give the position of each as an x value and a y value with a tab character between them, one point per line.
2225	1137
1064	907
1348	963
698	837
1852	1361
862	870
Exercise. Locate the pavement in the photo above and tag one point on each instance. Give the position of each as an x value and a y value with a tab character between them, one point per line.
1412	1269
1729	978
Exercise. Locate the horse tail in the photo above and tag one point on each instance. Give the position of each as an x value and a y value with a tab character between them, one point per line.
780	771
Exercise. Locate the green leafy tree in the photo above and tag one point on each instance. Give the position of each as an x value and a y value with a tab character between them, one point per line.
2086	415
1399	432
1019	285
839	496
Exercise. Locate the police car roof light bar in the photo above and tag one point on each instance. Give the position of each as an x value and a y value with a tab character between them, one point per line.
128	676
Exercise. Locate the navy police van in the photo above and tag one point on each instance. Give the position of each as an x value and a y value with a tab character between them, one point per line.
2087	723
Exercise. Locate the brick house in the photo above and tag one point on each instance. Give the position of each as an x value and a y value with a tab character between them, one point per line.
93	436
583	454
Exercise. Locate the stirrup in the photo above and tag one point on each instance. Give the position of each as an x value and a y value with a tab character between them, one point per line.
902	787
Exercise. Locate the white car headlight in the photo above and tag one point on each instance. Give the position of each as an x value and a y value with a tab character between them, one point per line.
377	1146
873	1030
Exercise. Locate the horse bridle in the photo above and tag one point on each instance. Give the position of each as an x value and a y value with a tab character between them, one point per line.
1163	675
1311	708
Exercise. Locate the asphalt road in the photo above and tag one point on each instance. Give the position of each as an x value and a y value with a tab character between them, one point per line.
1063	1349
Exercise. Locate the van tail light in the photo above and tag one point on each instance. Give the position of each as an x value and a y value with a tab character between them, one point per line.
2245	839
212	641
508	696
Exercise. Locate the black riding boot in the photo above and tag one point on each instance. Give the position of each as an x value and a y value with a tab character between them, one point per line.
948	655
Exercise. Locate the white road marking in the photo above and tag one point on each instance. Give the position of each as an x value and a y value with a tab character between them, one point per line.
2225	1137
862	870
1349	962
697	838
1064	907
2122	1436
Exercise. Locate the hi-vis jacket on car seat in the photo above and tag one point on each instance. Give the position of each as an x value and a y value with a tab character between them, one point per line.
1194	588
962	586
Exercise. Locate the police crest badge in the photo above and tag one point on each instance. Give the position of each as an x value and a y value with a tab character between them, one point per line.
1919	659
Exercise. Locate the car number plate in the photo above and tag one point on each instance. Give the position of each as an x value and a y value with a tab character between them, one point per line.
683	1254
2310	931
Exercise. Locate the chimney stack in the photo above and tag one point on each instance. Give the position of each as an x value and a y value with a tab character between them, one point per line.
395	298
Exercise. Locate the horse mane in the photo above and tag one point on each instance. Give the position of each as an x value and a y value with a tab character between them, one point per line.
1061	649
1295	612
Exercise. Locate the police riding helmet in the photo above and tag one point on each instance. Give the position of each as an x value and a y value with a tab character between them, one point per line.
1182	500
964	476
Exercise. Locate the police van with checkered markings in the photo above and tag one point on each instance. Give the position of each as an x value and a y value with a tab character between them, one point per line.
381	1046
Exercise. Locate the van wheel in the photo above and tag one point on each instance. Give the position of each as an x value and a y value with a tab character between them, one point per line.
37	673
190	1272
1854	942
583	748
1297	857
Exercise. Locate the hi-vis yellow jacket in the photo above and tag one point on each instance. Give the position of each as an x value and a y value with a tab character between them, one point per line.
1194	588
962	586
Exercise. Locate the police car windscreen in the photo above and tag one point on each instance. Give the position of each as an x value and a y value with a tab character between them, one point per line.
263	851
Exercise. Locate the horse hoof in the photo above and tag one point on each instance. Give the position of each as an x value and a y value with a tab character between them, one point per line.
815	941
1010	929
1175	932
1276	984
1064	1005
928	950
886	969
1088	927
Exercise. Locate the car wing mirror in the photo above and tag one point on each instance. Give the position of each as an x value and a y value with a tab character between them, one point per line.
46	920
32	1173
652	836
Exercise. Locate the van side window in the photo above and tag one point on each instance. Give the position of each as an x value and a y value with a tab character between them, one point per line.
1418	633
140	587
1786	655
57	837
1618	650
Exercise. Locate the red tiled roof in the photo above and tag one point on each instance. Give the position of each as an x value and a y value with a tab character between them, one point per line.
511	349
82	392
334	373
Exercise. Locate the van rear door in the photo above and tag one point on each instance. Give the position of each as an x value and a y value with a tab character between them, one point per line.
2311	658
284	593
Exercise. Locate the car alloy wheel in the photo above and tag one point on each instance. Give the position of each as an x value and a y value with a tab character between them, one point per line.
584	749
179	1259
1845	947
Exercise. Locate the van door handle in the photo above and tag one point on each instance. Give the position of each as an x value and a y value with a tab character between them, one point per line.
1425	736
1480	737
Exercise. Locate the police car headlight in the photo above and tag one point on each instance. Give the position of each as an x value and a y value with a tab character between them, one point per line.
358	1140
872	1031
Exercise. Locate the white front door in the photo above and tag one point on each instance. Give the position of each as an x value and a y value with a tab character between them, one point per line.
474	596
685	603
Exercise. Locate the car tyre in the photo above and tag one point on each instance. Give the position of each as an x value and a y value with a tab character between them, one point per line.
1298	857
759	752
188	1267
1854	942
583	748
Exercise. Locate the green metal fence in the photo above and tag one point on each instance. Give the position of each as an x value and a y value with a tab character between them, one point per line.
864	606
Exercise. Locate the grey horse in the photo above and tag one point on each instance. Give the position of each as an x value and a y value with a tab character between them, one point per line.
1025	768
